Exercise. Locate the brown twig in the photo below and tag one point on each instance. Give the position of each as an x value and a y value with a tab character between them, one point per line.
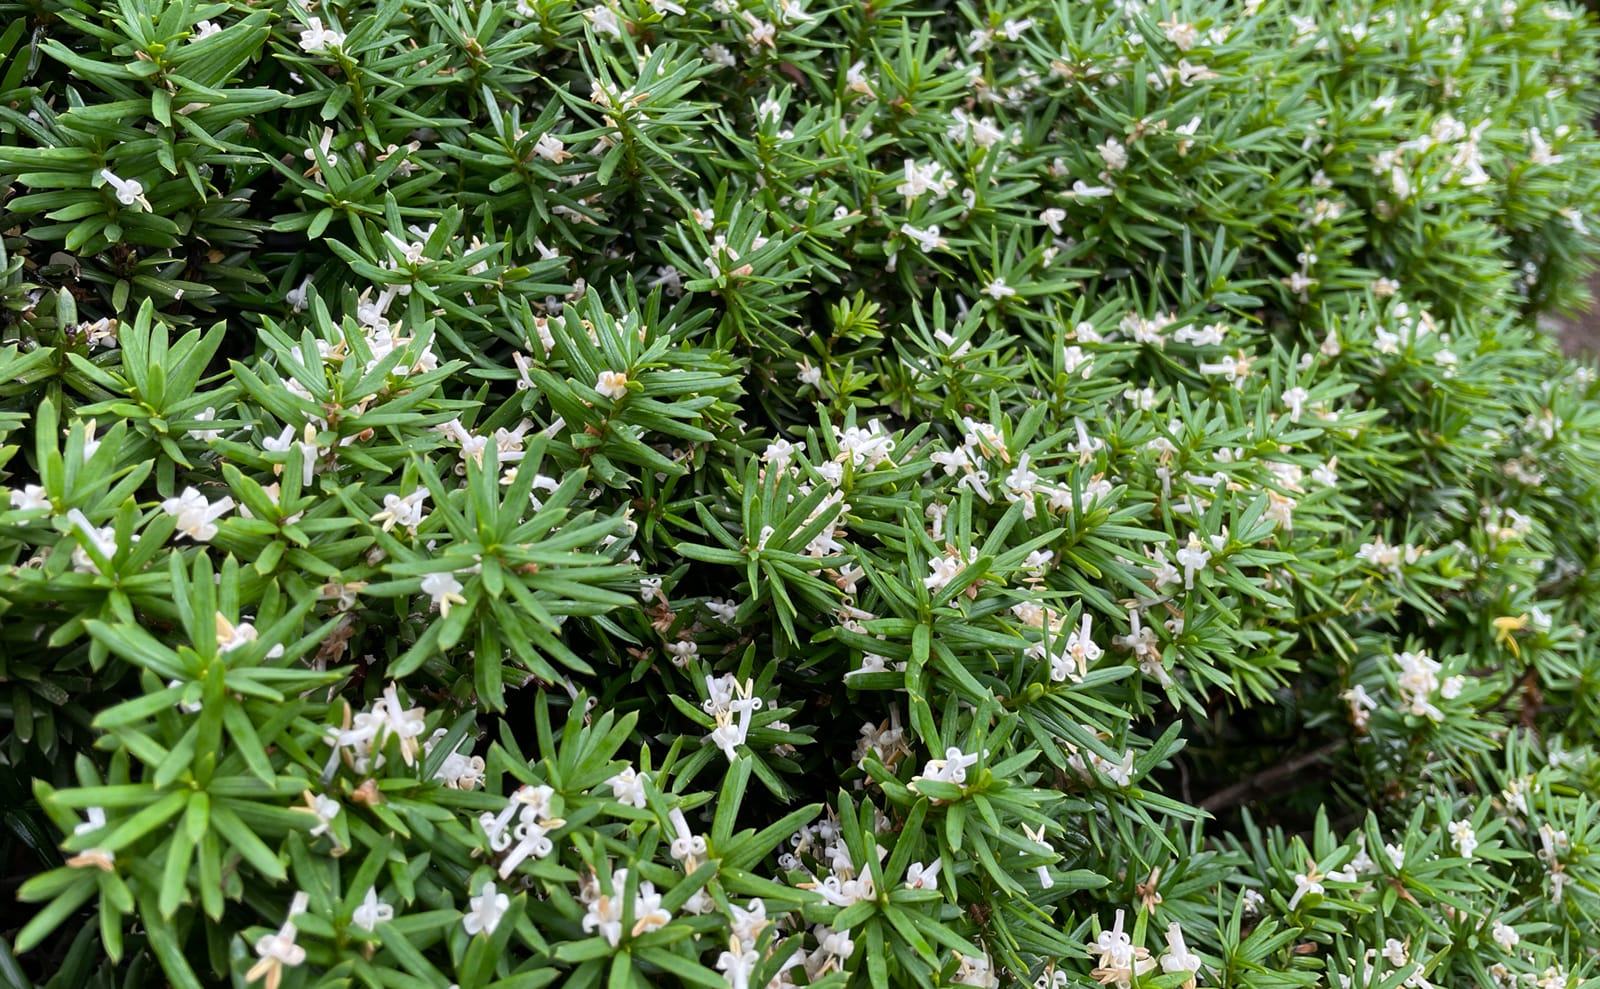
1269	779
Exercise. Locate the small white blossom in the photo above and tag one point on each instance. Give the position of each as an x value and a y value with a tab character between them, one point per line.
1118	961
1303	884
129	191
279	951
1178	957
1505	935
445	591
31	498
1113	154
371	912
485	911
1193	557
1463	838
318	40
196	515
406	511
997	289
629	788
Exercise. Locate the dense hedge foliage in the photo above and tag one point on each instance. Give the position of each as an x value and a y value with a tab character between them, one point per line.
767	493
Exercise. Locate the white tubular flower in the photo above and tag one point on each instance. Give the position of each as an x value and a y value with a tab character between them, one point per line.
460	770
604	910
102	538
445	591
807	374
951	769
318	40
1303	884
604	20
299	298
196	515
392	718
687	847
371	912
1119	961
285	441
612	384
231	636
1178	957
549	148
920	876
324	808
533	836
1113	154
1080	651
926	240
944	570
400	511
129	191
977	972
748	922
738	963
628	787
1463	838
1295	400
1192	558
732	704
486	910
279	951
604	914
998	289
1083	190
1506	936
31	498
95	819
1042	871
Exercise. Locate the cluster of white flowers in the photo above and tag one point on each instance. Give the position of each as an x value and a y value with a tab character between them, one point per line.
406	511
1076	654
1145	645
921	179
529	837
1092	767
947	567
951	769
1413	331
1117	961
603	911
1503	524
978	462
1419	681
360	740
485	910
1382	556
866	448
731	704
318	40
1397	954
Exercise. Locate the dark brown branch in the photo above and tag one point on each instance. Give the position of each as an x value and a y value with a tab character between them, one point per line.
1269	780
